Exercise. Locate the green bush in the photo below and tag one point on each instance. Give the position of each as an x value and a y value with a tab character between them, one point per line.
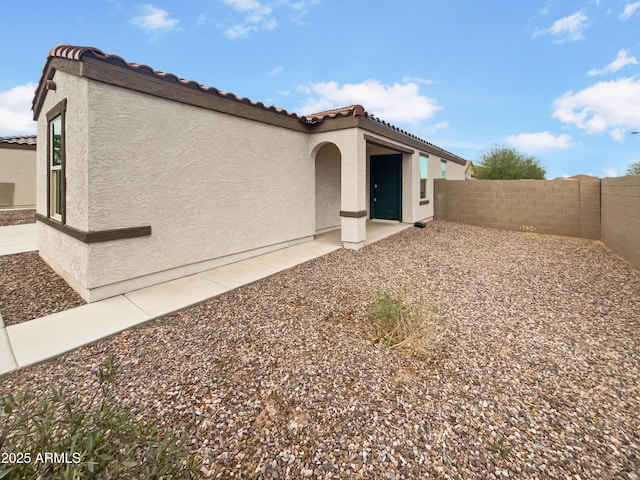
504	163
417	326
62	436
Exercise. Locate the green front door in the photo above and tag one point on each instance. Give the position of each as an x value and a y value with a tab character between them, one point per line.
386	186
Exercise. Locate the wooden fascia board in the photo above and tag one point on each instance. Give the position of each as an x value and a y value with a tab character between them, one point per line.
149	85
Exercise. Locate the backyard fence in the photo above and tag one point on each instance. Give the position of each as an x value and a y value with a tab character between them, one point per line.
607	209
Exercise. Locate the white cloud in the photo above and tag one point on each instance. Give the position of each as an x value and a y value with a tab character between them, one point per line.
423	81
630	10
155	21
605	106
437	126
618	134
243	5
614	171
15	110
567	29
540	141
276	71
622	60
259	15
392	103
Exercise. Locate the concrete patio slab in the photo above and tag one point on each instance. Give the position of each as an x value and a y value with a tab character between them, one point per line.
18	239
7	362
241	273
175	295
49	336
376	230
292	256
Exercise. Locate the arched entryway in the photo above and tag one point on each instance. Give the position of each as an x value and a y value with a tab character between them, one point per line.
328	184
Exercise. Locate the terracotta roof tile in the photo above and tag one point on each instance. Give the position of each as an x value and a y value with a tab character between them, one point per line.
19	140
359	111
350	111
78	53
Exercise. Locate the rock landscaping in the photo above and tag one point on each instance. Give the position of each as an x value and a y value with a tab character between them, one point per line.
535	374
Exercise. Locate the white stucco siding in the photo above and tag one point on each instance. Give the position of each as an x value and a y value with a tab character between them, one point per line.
209	184
327	173
74	90
455	171
18	167
69	255
66	255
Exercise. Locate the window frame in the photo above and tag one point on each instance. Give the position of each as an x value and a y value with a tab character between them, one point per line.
423	179
443	169
57	112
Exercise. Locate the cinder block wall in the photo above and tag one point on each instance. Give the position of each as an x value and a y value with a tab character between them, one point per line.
559	207
621	216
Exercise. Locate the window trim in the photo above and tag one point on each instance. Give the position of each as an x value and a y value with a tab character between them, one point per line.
426	176
58	111
443	172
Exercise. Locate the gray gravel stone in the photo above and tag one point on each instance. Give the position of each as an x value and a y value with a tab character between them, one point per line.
537	375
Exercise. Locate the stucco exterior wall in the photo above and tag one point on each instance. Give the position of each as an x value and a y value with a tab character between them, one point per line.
17	177
68	256
454	171
426	211
327	178
209	184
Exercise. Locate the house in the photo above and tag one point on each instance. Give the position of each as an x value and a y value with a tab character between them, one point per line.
469	171
18	172
145	177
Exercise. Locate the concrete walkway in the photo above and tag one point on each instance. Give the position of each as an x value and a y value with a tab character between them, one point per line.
31	342
34	341
18	239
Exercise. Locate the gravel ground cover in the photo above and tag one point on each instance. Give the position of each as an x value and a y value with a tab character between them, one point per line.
17	217
30	289
537	375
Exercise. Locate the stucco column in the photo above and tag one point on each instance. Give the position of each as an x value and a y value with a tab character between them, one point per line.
353	208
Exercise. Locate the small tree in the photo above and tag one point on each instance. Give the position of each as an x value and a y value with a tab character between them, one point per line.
504	163
634	169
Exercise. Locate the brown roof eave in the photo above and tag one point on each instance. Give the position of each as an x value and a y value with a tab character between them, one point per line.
53	63
147	84
150	85
371	125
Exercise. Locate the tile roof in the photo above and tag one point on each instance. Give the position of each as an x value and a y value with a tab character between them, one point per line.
351	111
359	111
77	53
19	140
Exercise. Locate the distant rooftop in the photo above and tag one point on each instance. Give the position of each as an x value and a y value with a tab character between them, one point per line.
19	140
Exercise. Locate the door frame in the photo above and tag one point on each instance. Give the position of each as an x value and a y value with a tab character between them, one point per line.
374	161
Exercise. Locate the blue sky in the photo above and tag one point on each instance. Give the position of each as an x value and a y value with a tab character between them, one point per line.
556	79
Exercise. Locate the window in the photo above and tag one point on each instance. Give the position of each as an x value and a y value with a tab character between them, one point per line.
56	162
443	169
423	177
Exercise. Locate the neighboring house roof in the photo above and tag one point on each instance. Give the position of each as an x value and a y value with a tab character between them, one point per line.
94	61
582	176
23	141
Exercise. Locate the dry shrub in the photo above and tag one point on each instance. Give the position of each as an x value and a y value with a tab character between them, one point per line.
416	326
